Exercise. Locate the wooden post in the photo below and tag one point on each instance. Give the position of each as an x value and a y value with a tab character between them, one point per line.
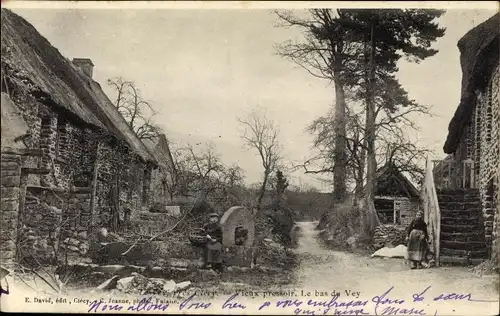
394	212
434	211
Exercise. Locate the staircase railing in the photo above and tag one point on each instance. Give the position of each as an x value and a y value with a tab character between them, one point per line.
432	213
452	174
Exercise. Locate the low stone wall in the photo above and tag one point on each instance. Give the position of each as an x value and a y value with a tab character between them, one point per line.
389	236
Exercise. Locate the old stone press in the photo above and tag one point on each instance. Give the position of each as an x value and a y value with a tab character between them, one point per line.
238	231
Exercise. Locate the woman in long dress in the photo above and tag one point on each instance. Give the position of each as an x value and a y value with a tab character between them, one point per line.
213	248
417	241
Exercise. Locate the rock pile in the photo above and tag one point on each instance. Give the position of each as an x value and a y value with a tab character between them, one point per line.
76	243
138	284
389	236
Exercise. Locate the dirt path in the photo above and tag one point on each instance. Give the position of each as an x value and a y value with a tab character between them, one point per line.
323	270
327	281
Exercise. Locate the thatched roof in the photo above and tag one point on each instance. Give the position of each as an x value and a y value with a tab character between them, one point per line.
57	82
161	151
479	54
389	181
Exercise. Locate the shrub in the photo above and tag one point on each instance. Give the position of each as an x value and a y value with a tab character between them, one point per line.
275	255
340	223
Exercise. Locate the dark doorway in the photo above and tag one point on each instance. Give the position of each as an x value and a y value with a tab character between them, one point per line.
385	210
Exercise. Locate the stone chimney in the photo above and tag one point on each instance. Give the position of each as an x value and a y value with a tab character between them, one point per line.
85	64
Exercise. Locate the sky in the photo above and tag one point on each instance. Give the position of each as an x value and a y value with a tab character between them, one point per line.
202	69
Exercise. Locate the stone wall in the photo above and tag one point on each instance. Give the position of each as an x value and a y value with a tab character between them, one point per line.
10	181
489	136
48	142
67	147
408	209
41	219
120	183
69	151
160	180
55	224
389	236
480	143
496	223
77	220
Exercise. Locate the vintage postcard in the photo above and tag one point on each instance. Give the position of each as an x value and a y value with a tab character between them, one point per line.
246	158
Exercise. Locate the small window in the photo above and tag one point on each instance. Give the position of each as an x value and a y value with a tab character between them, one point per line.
45	121
385	211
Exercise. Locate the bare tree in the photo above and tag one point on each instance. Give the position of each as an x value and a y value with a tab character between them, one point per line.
407	156
323	130
135	110
261	134
207	168
395	116
199	172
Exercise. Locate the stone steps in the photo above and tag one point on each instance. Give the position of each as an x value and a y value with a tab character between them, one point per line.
460	206
455	220
476	254
463	245
461	228
460	261
458	192
463	236
455	198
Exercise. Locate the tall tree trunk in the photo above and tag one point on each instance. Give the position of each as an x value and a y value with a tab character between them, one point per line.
370	120
358	189
360	173
340	159
371	165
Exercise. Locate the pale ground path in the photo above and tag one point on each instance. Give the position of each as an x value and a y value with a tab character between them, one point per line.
327	270
324	270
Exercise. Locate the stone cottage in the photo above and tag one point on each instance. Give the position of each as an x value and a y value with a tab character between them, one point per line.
396	198
87	169
396	201
466	182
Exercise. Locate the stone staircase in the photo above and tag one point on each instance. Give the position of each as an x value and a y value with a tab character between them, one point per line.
462	227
